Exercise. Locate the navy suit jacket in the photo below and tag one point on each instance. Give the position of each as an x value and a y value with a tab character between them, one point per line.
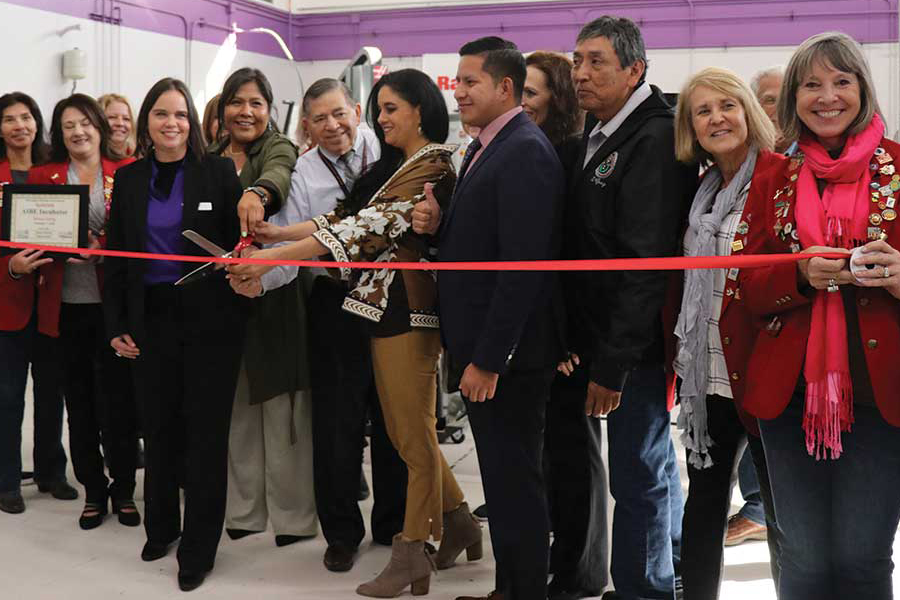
507	207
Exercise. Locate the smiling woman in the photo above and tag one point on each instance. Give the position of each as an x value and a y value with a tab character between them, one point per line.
121	123
95	385
720	124
185	361
826	390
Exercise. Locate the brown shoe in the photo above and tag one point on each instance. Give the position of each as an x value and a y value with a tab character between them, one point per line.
741	529
461	532
495	595
410	566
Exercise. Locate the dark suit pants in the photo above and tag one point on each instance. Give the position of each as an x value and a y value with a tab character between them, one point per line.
46	372
100	409
577	489
509	439
186	389
17	350
343	395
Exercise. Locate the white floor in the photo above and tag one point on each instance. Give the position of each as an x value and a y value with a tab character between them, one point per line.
44	555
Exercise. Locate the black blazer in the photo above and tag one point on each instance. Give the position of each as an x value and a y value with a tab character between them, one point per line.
217	313
507	207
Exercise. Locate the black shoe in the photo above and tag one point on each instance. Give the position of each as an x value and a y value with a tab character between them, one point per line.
481	513
363	487
287	540
237	534
95	520
127	511
12	503
61	490
339	558
155	550
190	580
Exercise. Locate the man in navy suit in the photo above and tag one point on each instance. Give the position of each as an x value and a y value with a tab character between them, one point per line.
501	328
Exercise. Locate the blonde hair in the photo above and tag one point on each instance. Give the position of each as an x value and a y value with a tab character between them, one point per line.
105	100
760	131
837	50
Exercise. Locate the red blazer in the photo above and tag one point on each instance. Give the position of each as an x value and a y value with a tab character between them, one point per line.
766	379
17	297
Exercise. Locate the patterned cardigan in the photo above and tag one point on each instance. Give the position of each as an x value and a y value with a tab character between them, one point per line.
382	232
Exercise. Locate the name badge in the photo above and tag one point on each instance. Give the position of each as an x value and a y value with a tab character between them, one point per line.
205	206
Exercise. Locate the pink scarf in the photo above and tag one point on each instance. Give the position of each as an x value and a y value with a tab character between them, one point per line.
837	220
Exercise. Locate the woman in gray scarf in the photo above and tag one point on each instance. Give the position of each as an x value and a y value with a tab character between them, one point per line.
721	126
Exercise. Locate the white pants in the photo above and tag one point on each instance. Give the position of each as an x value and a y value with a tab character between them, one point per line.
268	478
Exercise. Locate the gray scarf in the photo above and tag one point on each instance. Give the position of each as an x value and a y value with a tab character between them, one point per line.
692	329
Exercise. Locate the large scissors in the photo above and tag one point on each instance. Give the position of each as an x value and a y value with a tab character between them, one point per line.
211	267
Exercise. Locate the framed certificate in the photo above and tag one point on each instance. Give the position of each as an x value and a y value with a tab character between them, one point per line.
50	215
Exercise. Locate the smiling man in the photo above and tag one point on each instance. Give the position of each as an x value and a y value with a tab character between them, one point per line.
500	329
629	200
341	377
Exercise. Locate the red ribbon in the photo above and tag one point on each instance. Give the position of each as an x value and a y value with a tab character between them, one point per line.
669	263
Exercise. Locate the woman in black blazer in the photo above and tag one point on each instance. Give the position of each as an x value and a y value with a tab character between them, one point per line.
186	340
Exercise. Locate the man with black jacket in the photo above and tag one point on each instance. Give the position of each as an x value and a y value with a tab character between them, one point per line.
628	201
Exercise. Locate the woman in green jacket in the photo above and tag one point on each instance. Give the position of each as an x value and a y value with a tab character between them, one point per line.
270	445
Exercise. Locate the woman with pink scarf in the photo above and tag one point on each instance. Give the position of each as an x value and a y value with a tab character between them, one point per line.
823	378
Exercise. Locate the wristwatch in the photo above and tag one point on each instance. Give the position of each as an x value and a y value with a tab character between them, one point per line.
259	191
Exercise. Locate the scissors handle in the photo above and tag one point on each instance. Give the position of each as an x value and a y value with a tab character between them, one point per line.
245	242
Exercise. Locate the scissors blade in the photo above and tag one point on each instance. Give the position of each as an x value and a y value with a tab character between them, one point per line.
204	243
199	273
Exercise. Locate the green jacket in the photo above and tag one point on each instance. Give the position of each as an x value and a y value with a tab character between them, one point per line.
270	162
275	351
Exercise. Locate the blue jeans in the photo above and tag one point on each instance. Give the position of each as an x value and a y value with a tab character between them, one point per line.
747	480
643	477
838	517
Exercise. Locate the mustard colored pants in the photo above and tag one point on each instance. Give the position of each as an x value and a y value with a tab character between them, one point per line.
405	368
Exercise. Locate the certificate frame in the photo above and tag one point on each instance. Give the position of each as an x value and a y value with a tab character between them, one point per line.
61	218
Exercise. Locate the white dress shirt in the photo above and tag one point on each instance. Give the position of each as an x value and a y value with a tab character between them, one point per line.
603	131
315	191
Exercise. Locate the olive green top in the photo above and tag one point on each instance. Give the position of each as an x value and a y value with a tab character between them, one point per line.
270	161
275	343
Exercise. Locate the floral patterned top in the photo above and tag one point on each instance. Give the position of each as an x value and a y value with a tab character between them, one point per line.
382	232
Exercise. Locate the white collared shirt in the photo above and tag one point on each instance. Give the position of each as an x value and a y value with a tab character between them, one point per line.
641	93
314	192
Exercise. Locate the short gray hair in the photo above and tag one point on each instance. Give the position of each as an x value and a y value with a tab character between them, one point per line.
322	87
775	71
840	51
623	34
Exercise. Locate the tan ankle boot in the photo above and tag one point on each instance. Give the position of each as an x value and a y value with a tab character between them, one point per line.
409	566
461	532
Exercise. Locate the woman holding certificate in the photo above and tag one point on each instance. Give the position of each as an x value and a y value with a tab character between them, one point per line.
25	336
185	341
79	155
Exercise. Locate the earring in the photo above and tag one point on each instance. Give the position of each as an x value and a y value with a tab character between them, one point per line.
420	129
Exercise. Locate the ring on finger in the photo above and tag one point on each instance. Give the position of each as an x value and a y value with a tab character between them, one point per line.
887	271
832	285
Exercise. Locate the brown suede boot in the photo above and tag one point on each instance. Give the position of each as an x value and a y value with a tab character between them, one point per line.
410	566
461	532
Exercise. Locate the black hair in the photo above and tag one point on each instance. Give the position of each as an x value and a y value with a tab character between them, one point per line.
321	87
502	59
196	145
90	108
233	84
40	149
421	92
625	37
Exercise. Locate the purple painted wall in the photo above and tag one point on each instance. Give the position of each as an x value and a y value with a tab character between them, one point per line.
554	25
546	25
